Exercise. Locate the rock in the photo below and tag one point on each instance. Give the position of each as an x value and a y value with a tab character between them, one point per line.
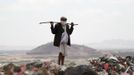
80	70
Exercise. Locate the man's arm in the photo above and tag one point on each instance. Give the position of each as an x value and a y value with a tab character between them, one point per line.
53	29
71	28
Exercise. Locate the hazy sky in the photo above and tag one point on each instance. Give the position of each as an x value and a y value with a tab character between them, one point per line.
98	20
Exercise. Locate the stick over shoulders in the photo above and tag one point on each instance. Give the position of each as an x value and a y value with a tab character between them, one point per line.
54	22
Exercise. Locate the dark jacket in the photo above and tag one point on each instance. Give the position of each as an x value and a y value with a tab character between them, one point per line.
58	30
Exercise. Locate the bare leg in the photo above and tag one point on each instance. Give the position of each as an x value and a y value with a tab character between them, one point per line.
63	55
63	58
60	58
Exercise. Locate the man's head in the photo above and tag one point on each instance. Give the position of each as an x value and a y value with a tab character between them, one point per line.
63	20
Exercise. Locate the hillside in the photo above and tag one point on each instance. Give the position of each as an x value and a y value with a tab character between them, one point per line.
74	50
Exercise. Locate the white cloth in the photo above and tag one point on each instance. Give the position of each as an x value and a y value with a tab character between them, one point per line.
63	49
64	37
64	40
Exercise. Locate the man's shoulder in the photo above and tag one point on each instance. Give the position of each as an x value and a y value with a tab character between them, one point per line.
58	23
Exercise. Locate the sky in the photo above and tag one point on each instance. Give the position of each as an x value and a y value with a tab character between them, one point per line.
98	20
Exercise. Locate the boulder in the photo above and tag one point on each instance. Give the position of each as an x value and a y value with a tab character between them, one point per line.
80	70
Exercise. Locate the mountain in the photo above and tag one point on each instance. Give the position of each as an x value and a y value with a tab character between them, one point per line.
114	44
74	50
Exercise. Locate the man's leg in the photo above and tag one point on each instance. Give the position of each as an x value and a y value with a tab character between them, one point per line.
59	58
63	55
63	58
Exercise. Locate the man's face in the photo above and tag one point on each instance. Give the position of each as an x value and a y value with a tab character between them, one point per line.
63	22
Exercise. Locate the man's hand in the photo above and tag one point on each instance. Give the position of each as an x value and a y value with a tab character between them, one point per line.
72	24
51	22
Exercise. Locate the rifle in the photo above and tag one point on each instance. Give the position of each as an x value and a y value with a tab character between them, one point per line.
54	22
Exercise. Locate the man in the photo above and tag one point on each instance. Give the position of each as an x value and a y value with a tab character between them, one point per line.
62	33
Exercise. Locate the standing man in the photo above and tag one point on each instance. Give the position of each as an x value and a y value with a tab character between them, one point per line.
62	33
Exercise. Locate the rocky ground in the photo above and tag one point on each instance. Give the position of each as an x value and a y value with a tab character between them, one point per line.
73	65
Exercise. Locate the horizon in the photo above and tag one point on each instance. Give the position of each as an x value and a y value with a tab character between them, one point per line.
103	45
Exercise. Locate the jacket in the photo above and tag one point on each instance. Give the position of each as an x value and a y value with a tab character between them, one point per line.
58	30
